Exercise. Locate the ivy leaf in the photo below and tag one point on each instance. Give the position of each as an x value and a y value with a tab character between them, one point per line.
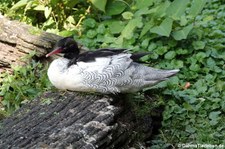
115	7
164	28
182	34
100	4
196	7
177	8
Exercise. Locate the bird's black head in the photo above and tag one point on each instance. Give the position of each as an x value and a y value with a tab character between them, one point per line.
68	46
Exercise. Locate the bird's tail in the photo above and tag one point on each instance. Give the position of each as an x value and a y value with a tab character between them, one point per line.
160	75
170	73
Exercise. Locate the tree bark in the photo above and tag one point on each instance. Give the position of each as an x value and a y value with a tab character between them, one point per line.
18	39
69	120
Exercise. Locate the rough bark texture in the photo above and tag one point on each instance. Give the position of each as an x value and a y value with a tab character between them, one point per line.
18	39
70	120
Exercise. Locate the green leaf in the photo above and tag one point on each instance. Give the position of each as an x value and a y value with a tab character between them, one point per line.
200	56
200	86
177	63
146	27
101	29
143	11
220	85
181	51
100	4
211	62
115	7
161	50
145	43
198	45
91	23
170	55
190	129
91	33
129	28
160	10
183	20
187	106
143	3
164	28
40	8
182	34
127	15
47	11
66	33
214	116
19	4
196	7
177	8
194	67
70	19
116	27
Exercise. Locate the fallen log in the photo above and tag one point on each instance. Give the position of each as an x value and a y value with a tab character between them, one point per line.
71	120
18	39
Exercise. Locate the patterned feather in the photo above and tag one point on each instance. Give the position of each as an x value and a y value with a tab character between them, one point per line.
111	74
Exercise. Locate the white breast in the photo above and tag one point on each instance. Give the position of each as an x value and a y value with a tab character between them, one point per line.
62	77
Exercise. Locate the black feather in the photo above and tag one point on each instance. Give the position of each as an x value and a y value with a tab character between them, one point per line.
136	56
91	55
72	52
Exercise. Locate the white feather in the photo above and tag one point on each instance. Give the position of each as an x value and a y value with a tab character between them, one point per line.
117	73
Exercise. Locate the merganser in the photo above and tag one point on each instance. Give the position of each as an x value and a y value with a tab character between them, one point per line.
103	71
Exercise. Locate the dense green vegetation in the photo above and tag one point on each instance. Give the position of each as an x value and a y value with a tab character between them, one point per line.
188	35
26	83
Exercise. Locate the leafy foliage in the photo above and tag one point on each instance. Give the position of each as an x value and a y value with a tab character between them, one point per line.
25	83
181	34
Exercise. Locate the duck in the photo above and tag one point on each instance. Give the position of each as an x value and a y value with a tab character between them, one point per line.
107	70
